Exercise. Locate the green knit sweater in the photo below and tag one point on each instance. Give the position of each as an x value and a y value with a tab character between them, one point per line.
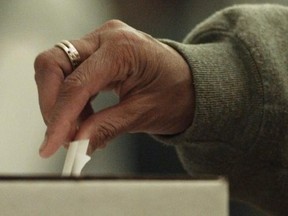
239	63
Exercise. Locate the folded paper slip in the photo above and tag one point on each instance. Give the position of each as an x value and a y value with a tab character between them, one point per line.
76	158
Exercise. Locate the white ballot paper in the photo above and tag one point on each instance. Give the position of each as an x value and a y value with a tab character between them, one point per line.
76	158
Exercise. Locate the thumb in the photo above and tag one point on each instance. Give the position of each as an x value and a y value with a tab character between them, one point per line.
108	124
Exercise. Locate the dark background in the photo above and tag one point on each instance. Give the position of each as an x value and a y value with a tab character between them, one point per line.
171	19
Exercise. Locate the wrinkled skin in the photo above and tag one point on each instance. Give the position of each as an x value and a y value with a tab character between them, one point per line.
152	80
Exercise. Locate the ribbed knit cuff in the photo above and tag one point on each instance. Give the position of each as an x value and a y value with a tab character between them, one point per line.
228	95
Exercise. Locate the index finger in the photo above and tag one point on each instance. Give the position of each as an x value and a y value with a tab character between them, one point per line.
72	94
94	75
51	68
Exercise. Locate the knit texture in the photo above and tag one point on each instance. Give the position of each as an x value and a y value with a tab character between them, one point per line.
239	63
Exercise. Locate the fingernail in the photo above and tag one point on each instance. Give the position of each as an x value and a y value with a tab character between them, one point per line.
43	145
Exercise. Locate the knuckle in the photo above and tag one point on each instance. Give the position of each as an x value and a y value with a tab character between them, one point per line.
81	78
114	23
116	31
124	41
103	133
71	86
106	131
42	61
74	85
125	36
74	81
44	64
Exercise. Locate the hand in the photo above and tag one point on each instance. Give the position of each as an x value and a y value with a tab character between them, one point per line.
152	80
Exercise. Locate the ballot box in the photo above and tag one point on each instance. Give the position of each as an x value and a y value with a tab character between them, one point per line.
113	196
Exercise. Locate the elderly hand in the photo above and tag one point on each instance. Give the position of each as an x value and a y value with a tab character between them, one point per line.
152	80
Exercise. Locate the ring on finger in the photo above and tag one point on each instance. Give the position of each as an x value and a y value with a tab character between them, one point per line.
71	52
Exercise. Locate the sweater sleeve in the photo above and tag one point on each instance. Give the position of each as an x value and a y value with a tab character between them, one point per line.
239	62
